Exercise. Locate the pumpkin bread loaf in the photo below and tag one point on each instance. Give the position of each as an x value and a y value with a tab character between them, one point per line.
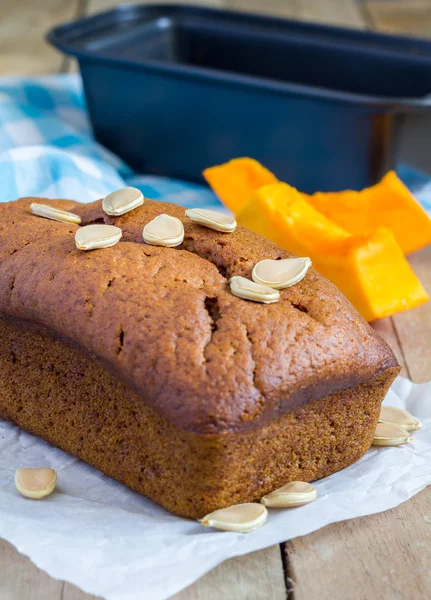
139	360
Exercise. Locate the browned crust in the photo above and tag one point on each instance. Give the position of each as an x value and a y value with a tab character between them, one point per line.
54	392
165	323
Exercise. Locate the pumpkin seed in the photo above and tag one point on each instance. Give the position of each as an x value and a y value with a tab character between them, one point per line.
400	417
249	290
164	230
280	274
122	201
35	483
91	237
212	219
55	214
390	435
240	518
295	493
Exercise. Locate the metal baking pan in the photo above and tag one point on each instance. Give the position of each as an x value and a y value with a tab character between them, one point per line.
174	89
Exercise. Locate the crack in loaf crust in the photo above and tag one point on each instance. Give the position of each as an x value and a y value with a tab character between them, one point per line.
52	390
164	322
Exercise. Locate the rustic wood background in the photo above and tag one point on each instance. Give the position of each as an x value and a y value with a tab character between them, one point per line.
385	556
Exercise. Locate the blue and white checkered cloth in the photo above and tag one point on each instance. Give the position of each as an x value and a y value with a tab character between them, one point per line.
47	150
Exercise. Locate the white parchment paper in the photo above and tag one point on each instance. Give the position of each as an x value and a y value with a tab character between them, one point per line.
109	541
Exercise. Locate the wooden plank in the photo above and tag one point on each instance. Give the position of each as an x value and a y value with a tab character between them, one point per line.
346	13
392	547
340	12
385	556
23	25
71	592
386	329
101	5
21	580
412	17
414	326
336	12
275	8
251	577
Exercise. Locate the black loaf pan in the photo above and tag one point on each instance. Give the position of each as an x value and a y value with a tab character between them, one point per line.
174	89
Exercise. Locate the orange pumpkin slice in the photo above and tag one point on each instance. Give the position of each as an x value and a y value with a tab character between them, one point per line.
235	181
370	269
389	204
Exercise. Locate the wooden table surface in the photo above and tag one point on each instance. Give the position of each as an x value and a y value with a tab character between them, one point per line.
385	556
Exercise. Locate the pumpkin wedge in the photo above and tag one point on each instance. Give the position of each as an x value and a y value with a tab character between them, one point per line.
389	204
370	269
235	181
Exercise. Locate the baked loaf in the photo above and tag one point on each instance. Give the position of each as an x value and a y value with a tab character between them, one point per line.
140	361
